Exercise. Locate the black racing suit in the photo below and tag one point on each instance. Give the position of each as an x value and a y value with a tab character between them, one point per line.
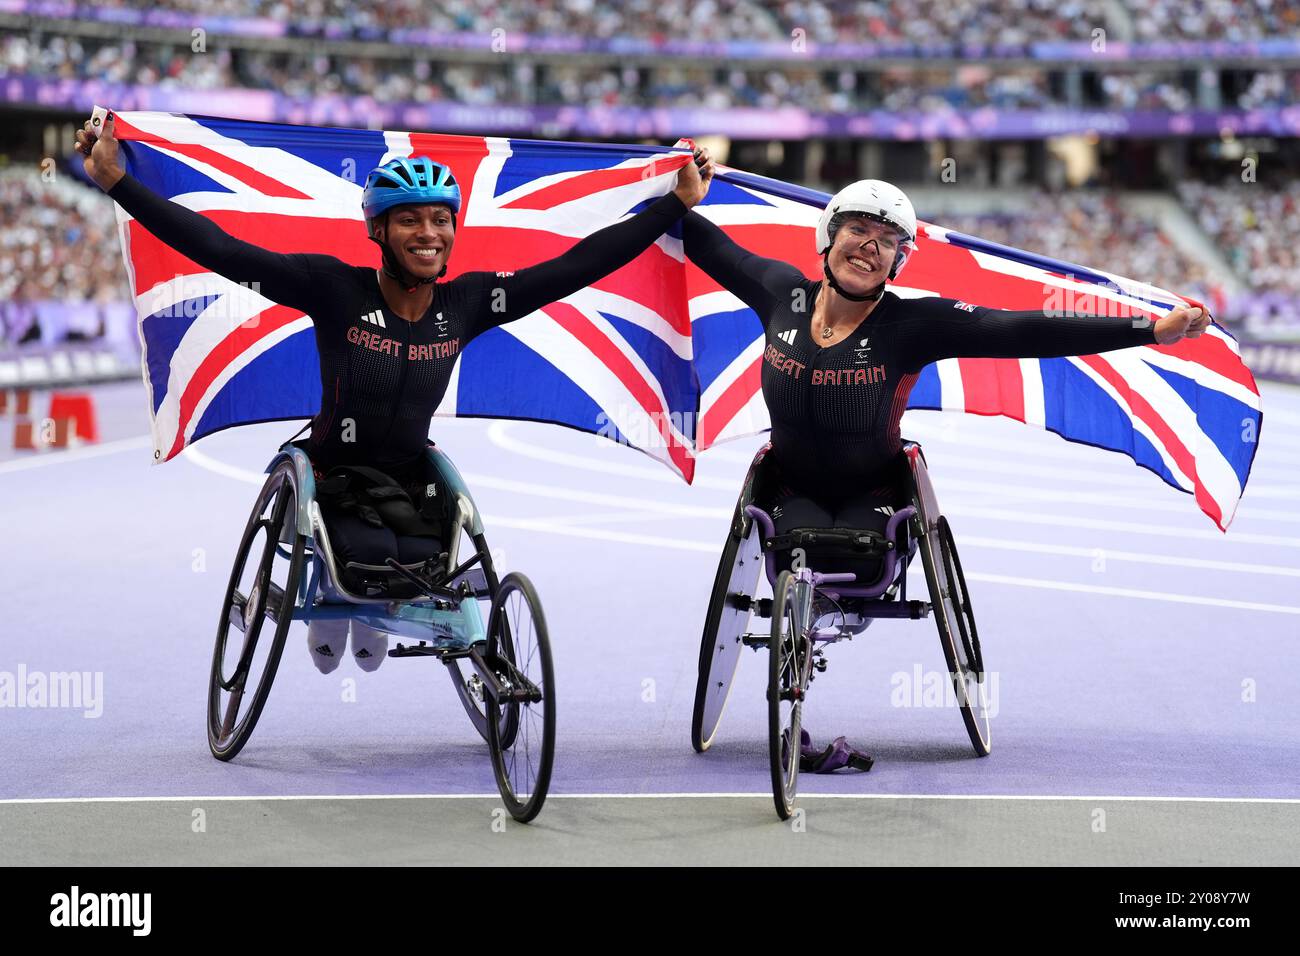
382	377
835	411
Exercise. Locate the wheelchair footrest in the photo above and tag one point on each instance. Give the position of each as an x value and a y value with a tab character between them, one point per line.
422	649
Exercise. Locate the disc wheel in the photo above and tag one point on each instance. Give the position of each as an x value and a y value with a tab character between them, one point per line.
519	646
256	613
789	671
725	623
957	634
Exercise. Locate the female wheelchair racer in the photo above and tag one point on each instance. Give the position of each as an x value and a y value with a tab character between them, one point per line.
841	356
364	496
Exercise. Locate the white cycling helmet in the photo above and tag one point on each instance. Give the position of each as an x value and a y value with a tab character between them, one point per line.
876	200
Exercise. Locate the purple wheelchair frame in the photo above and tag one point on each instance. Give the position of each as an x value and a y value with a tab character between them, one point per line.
893	568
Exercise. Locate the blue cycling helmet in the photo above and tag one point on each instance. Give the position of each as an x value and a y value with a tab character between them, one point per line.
407	181
404	182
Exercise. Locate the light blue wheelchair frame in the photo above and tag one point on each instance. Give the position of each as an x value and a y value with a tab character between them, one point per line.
445	620
323	596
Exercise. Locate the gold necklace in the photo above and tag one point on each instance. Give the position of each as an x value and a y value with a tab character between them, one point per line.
826	333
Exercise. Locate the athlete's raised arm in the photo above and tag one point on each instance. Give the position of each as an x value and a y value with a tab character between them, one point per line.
505	297
953	329
293	279
759	282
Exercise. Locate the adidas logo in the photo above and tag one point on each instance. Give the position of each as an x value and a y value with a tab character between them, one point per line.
324	650
375	318
788	337
363	653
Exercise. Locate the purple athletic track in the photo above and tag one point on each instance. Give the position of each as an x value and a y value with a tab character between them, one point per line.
1109	681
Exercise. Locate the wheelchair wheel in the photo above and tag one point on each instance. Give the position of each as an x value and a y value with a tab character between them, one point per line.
518	646
467	689
956	623
724	626
789	670
255	614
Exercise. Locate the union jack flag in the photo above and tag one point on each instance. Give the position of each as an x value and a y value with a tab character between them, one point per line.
614	358
1189	412
654	354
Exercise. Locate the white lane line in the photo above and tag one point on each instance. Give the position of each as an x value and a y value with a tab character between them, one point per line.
1174	560
600	534
596	497
1124	527
1131	593
681	544
685	795
73	455
1011	492
207	462
641	509
1288	492
499	435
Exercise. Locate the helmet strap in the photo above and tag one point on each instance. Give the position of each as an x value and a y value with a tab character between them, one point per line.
871	296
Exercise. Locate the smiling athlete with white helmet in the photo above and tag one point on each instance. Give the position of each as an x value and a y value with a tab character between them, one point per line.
842	352
388	338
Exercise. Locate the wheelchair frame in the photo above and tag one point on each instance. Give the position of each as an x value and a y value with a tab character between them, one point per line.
444	618
797	637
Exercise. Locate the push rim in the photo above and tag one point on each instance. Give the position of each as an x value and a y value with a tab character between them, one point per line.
256	615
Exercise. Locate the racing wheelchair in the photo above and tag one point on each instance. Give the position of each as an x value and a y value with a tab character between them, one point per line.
810	610
286	571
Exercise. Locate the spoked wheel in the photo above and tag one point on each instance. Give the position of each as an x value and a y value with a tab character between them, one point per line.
725	624
519	653
468	686
789	671
957	634
255	614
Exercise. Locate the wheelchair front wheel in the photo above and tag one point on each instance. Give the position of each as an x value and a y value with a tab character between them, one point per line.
725	624
261	592
789	673
956	623
519	654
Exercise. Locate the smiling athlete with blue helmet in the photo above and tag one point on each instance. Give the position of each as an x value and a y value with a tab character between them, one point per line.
388	338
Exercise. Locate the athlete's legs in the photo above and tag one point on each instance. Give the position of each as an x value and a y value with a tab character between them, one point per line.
867	511
326	641
369	646
354	539
790	511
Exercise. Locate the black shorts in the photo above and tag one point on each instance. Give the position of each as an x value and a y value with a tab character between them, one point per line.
870	509
356	540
